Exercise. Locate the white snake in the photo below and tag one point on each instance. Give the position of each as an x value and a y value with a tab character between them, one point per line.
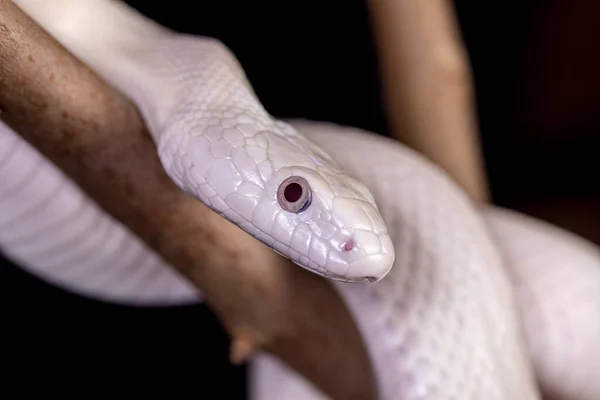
480	303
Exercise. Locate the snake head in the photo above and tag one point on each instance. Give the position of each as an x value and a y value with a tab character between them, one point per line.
280	188
326	222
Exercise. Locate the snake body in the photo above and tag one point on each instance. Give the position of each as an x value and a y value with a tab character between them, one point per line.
480	303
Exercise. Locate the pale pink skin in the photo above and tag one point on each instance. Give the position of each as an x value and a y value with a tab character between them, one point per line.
478	301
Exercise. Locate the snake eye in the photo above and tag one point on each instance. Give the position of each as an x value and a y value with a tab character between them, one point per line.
294	194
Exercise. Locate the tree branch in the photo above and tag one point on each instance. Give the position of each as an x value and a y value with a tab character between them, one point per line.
428	86
99	140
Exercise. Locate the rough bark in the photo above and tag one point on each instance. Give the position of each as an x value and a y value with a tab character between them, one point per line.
428	88
99	140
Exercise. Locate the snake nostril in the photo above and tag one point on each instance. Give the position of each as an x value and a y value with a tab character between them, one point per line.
349	245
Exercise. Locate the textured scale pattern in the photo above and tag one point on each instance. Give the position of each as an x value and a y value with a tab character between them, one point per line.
55	231
221	146
192	93
556	276
447	304
440	329
477	301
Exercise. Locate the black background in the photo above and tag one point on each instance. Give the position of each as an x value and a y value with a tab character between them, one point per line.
310	59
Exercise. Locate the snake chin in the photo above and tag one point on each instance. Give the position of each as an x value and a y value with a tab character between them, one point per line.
366	268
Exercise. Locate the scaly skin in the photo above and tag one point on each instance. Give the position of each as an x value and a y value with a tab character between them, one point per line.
221	146
444	324
216	141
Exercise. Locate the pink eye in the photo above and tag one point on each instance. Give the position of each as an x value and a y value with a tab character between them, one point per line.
294	194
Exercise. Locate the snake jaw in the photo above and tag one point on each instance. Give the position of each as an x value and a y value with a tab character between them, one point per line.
377	264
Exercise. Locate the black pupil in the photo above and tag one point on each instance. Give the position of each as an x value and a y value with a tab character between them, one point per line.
292	192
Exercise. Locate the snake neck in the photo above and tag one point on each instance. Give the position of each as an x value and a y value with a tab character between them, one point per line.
163	72
116	42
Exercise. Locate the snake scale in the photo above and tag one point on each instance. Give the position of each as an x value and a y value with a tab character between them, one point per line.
454	300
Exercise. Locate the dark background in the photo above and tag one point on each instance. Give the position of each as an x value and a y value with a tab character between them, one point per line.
538	103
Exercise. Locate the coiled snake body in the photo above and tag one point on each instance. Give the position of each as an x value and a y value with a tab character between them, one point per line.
480	303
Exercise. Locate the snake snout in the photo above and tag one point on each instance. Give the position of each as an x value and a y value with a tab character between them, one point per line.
376	256
361	258
372	268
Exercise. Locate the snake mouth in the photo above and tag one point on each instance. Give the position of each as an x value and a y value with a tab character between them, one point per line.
372	268
375	266
345	279
369	279
364	268
334	277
